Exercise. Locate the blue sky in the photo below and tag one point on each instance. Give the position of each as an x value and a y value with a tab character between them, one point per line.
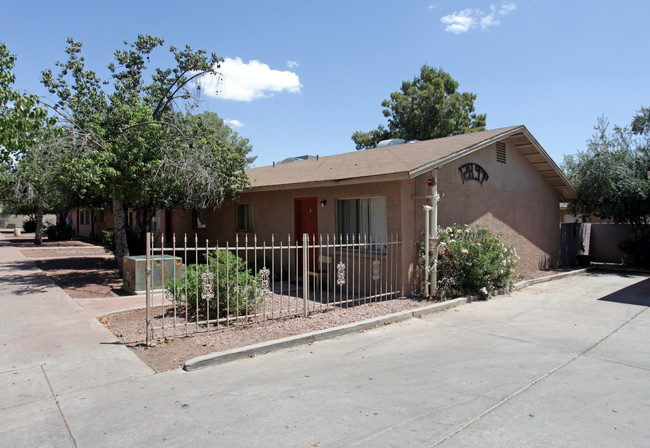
302	76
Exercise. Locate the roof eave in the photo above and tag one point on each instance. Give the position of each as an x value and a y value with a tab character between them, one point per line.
463	152
568	186
335	182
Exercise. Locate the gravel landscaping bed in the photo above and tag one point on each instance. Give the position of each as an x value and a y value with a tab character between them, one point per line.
174	350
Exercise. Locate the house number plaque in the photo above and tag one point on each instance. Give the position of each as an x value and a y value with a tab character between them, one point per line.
473	171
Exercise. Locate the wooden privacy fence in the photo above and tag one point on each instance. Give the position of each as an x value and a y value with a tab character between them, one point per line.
193	286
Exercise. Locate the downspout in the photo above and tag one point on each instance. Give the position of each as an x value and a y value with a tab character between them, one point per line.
425	275
433	229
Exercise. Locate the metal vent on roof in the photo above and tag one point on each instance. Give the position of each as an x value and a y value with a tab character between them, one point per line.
296	159
394	141
390	142
501	152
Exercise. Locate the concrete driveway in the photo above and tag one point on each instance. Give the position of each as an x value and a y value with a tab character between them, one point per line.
563	363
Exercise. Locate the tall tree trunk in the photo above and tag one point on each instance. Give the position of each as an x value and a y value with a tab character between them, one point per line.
119	229
92	224
38	235
60	217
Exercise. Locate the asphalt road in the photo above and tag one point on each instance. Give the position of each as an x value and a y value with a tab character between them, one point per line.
562	363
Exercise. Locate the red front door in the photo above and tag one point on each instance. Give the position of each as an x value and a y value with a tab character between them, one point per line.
306	221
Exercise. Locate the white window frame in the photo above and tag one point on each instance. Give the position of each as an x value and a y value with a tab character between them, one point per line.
156	220
363	216
244	218
198	218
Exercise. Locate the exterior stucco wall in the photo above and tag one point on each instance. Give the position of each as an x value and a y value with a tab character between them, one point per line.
515	201
273	214
273	211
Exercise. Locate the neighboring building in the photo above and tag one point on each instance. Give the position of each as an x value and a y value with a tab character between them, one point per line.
92	223
570	218
500	179
9	221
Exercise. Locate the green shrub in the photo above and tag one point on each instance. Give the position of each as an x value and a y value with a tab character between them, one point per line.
235	290
109	240
637	252
136	246
473	262
29	226
58	232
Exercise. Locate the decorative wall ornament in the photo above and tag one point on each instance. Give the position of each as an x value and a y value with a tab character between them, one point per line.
340	273
207	293
375	270
265	280
473	171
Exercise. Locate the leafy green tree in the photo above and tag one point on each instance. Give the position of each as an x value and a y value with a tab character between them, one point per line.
428	107
641	123
40	179
21	115
611	176
135	148
203	165
24	126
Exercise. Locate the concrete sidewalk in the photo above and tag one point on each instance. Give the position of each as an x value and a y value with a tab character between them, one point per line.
50	346
564	363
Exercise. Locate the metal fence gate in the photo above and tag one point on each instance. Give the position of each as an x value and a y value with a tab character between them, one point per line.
193	286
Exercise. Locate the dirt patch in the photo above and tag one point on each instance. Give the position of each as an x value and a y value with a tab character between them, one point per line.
81	269
27	241
172	351
84	277
66	252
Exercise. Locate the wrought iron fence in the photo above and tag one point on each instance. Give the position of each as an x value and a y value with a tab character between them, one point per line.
193	286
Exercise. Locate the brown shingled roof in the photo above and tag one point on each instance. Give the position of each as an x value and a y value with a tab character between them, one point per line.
395	162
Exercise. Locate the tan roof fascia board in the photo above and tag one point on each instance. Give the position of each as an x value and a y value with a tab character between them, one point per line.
463	152
333	183
550	161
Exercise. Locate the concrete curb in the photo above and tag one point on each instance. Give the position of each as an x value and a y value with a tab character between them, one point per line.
534	281
620	269
328	333
306	338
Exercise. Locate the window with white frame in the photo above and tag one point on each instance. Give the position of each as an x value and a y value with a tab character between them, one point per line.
84	217
245	217
199	218
365	217
156	219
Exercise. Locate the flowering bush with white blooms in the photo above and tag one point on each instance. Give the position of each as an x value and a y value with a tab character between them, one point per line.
474	262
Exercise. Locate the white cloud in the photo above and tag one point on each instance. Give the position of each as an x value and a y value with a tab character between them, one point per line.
489	20
242	81
292	64
463	21
507	8
234	123
460	22
431	7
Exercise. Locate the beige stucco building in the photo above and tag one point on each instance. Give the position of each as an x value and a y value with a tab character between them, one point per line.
501	179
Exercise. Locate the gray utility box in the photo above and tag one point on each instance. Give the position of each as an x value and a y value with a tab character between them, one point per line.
135	272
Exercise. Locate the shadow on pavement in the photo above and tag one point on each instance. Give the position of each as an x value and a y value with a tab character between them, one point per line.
24	279
636	294
75	273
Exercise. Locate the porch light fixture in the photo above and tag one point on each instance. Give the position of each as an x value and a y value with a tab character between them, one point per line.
323	203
